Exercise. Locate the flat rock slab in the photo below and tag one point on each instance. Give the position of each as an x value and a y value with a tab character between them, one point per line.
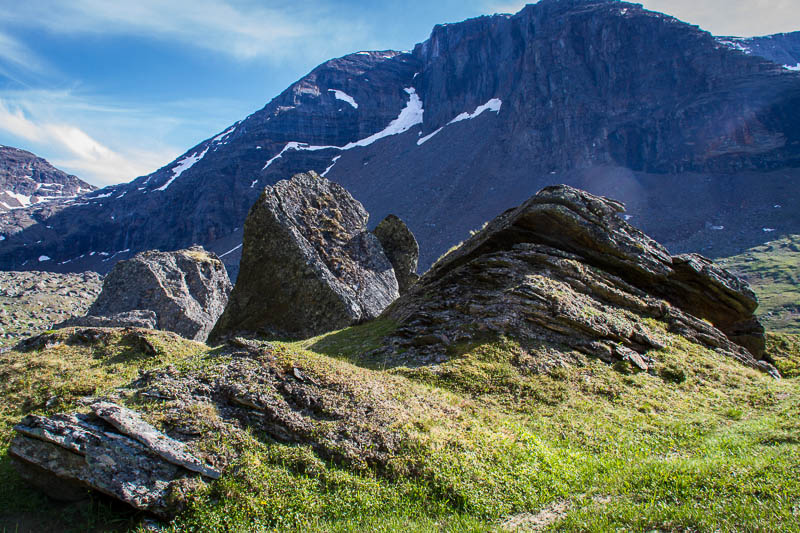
129	423
115	453
309	265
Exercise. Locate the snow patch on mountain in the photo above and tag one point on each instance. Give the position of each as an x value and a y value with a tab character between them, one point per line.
183	165
224	134
410	116
423	140
333	162
735	43
344	97
492	105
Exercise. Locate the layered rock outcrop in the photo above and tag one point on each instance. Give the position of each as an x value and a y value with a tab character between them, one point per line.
564	269
309	265
183	291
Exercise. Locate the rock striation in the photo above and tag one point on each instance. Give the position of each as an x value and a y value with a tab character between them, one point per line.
309	265
401	249
563	269
183	291
112	450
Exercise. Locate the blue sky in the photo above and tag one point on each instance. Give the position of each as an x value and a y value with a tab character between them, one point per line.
112	90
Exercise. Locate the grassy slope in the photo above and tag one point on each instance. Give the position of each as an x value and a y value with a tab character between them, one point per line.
773	269
704	445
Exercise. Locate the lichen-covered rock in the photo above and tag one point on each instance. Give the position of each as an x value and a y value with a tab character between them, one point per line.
308	263
401	249
563	269
112	451
186	290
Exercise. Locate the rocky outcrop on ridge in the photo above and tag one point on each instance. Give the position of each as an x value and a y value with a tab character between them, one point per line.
183	291
309	265
564	269
113	451
401	249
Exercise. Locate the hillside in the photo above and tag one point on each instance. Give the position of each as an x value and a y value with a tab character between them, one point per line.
702	444
482	114
773	270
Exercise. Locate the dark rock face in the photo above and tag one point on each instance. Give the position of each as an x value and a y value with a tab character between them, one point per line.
564	269
29	180
401	249
186	291
309	265
112	451
483	114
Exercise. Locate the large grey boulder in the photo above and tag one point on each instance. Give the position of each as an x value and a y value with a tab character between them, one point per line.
185	291
401	249
309	265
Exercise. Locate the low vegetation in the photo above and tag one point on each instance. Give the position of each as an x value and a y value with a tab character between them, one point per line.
773	270
700	444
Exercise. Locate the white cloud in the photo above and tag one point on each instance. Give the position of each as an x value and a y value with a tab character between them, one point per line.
244	29
73	150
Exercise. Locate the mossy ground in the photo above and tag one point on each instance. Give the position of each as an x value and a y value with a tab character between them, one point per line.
704	444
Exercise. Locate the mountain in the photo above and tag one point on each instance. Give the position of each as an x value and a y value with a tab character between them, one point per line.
701	141
26	180
781	48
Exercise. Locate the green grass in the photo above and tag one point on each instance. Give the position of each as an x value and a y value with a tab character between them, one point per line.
702	444
773	270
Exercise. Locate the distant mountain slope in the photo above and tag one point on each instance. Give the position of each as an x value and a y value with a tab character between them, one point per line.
781	48
26	179
773	270
700	140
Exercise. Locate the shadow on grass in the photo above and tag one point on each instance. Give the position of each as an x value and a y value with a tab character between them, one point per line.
356	344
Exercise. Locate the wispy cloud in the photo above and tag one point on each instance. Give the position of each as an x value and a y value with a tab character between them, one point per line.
76	151
243	29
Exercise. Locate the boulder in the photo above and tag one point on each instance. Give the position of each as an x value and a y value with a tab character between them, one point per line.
564	269
401	249
186	291
308	265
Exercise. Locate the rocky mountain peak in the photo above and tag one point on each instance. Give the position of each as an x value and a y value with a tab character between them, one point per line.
27	180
